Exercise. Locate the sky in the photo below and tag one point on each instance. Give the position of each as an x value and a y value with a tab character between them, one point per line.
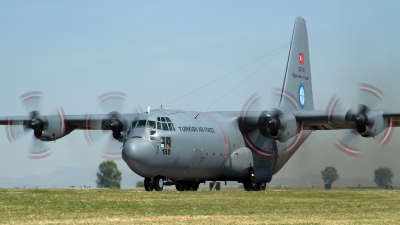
158	51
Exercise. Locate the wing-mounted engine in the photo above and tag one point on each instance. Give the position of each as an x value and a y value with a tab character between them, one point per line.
41	128
117	125
109	129
369	123
48	128
270	123
281	126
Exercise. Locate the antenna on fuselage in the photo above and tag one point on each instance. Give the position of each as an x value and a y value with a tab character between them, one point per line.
148	109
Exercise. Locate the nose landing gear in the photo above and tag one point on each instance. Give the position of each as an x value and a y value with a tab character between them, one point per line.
156	183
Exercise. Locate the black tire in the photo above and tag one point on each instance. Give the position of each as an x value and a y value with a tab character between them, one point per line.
248	183
253	186
148	184
196	186
179	187
250	186
192	186
158	183
261	186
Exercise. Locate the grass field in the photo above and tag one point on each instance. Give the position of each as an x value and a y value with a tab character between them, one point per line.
229	206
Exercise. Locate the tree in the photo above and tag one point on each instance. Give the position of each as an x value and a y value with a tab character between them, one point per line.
140	184
329	175
383	176
108	175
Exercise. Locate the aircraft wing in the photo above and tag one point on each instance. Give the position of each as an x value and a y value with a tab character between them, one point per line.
321	120
81	122
75	121
53	127
285	125
15	120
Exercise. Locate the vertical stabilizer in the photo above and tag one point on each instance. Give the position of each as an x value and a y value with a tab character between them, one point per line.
296	93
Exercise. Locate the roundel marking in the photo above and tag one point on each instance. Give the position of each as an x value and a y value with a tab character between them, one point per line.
302	95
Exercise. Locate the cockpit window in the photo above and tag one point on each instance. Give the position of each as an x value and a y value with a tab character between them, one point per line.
171	127
164	123
151	124
144	123
141	123
165	126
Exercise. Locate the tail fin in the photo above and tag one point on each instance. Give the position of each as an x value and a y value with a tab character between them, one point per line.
296	92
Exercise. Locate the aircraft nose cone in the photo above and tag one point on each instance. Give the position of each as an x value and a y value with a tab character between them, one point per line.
138	154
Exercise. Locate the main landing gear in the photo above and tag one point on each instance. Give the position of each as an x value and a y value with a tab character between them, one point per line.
249	185
156	183
187	186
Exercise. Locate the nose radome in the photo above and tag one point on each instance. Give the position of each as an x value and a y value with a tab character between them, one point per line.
138	154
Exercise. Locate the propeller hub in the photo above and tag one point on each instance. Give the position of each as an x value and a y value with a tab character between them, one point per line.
36	124
361	119
273	123
115	125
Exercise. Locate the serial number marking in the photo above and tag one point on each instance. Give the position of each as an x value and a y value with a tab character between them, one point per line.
196	129
166	151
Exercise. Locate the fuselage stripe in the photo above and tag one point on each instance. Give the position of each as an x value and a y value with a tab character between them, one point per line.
225	140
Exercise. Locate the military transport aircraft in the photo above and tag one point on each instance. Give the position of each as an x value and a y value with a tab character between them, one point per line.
182	148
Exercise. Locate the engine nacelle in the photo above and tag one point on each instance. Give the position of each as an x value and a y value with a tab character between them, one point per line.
282	127
49	128
370	124
117	126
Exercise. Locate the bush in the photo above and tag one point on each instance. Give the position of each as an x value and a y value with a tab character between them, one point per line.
140	184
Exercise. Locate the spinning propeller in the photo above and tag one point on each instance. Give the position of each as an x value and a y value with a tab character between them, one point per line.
45	128
256	137
110	103
262	127
366	122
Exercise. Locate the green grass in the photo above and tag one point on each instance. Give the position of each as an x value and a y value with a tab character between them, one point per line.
231	206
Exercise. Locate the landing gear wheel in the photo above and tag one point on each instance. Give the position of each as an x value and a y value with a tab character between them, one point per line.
192	186
158	183
179	187
248	182
250	186
253	186
261	186
187	186
148	184
195	186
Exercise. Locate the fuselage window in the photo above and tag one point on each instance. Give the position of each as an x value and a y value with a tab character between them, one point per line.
134	124
159	126
168	142
165	142
162	142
